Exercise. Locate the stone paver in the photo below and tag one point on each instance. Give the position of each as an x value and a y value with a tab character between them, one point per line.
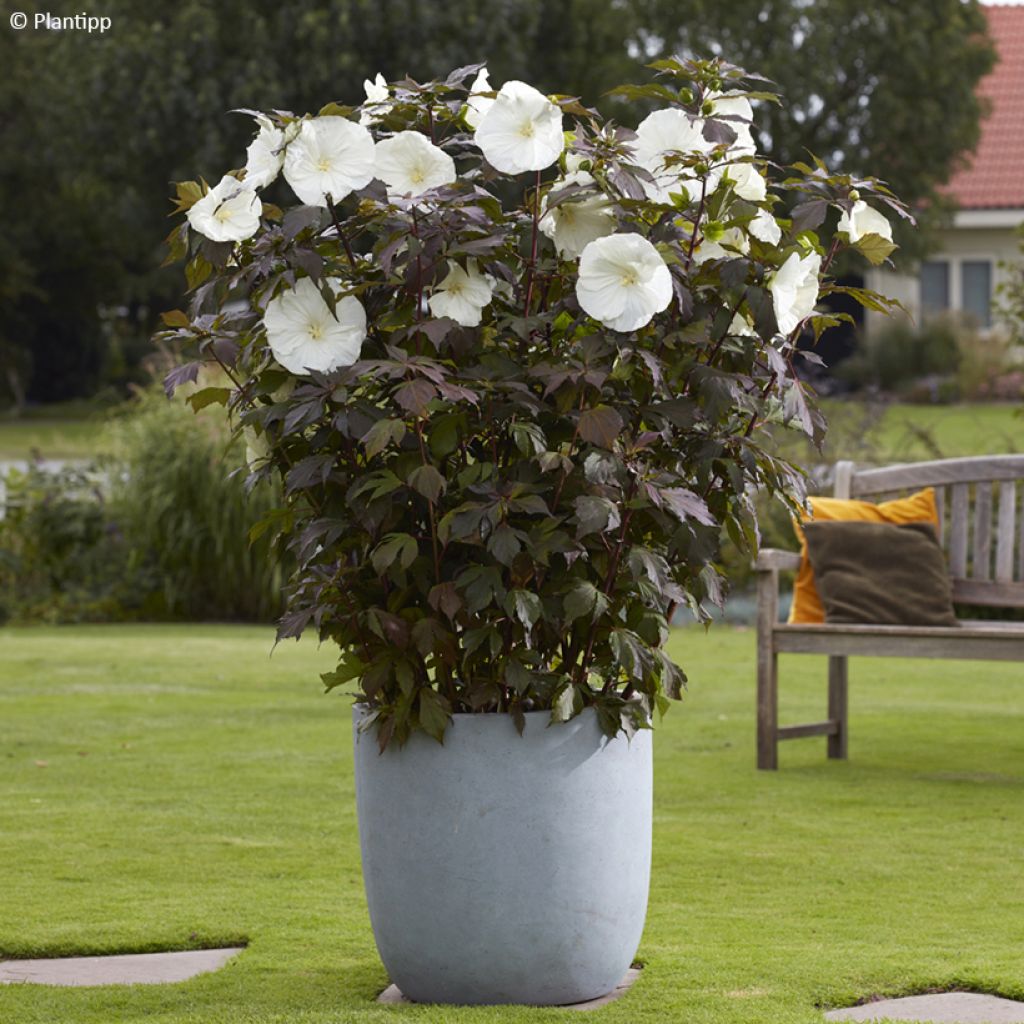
393	996
942	1008
127	969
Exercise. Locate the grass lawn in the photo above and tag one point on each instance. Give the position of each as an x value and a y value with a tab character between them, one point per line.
173	787
69	430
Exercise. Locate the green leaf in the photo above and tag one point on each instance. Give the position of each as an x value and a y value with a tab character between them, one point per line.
595	514
381	434
600	426
525	606
208	396
397	548
874	248
434	714
504	544
584	600
176	318
350	667
428	482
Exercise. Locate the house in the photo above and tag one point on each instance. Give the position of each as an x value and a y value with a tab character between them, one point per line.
963	273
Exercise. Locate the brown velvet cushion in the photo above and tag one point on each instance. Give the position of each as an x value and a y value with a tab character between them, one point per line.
881	573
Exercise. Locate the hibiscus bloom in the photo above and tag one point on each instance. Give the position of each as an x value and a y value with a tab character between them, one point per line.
661	136
478	105
574	224
463	294
377	96
864	220
794	290
410	164
265	156
229	212
521	131
623	281
330	156
305	335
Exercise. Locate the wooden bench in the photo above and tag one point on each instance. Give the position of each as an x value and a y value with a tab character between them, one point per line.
979	500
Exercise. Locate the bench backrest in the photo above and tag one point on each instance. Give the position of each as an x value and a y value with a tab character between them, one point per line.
981	518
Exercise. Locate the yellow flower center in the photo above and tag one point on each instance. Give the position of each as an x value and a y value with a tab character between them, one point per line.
455	288
629	279
417	175
223	214
323	165
316	331
526	130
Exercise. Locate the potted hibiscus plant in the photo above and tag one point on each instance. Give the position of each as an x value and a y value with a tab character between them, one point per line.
511	362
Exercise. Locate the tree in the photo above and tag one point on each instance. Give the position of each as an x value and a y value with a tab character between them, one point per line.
92	127
868	83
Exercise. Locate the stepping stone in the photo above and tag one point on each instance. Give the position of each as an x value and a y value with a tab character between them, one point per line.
392	995
127	969
942	1008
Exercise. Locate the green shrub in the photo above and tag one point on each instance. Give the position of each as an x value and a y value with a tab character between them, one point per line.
899	354
157	531
186	516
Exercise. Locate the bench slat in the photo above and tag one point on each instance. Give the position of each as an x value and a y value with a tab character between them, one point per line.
912	476
981	556
940	507
1005	534
796	732
988	592
980	643
958	530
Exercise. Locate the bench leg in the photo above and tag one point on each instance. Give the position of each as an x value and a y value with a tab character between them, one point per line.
767	705
837	704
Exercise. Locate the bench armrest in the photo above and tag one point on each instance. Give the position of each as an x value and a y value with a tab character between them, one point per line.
769	559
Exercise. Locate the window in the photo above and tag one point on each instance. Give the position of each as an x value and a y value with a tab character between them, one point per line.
934	286
976	290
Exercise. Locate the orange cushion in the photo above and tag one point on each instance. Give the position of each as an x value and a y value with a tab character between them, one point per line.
915	508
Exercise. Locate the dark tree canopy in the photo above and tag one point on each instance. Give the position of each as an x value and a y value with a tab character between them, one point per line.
93	128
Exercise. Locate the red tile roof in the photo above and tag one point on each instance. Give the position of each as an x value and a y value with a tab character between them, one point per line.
995	177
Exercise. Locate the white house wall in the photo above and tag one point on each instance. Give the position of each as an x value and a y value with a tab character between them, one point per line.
998	244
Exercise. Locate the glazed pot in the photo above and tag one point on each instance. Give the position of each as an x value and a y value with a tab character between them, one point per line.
502	868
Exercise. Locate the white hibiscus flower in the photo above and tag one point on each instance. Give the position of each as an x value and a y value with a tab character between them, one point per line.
304	335
376	105
736	106
765	227
864	220
229	212
747	181
794	289
521	131
330	156
729	244
477	105
742	327
623	281
265	156
410	164
664	134
463	294
574	224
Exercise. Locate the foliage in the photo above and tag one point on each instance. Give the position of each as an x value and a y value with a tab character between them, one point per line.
1010	295
110	119
900	353
157	530
61	558
888	88
179	497
502	513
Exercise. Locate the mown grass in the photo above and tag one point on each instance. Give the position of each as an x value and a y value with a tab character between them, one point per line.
173	787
